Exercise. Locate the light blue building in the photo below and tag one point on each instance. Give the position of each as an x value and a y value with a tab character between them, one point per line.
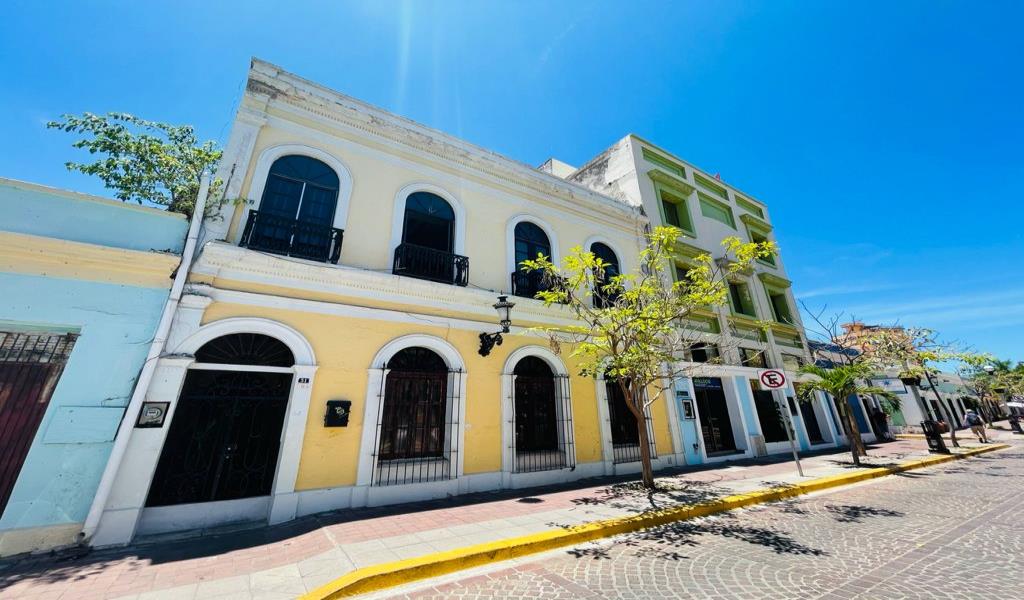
83	282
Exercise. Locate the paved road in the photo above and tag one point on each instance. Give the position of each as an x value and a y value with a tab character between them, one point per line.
955	531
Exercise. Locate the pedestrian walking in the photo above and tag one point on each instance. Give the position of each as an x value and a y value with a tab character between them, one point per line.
977	425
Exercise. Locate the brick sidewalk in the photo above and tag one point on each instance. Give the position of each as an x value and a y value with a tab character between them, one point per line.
287	560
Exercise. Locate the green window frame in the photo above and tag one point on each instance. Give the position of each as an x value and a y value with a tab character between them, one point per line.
781	308
740	299
674	209
749	206
757	236
664	163
715	188
716	210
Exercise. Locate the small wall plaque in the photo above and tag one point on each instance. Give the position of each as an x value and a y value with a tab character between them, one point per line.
337	413
152	415
688	410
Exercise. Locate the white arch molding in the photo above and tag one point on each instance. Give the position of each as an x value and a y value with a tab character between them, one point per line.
377	377
508	458
623	267
283	501
262	170
510	241
398	215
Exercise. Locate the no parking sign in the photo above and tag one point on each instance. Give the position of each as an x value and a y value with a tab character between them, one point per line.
773	379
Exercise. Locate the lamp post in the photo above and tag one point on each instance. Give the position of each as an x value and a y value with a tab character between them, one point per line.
489	340
990	410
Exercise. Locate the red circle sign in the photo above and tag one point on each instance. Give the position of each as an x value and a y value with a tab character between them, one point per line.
773	379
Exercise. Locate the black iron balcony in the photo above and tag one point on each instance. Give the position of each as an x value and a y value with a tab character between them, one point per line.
291	237
430	264
527	284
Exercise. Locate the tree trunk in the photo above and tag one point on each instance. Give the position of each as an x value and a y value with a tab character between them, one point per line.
634	402
856	443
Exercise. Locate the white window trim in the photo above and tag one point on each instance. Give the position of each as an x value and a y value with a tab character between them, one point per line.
510	242
398	216
375	381
262	171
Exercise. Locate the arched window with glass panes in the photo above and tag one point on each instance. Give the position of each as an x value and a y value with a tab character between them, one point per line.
427	250
529	242
296	213
604	298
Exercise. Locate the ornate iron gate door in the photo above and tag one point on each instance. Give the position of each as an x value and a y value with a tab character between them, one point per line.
30	365
536	419
224	438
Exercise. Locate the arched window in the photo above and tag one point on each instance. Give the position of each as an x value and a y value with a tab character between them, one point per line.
429	222
611	269
414	413
529	241
427	250
246	349
296	213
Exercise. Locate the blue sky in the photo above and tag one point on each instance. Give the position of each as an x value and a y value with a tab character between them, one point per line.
886	137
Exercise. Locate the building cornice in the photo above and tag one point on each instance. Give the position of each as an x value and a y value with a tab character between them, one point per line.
271	84
230	267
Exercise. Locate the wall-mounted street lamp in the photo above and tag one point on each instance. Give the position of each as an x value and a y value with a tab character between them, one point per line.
489	340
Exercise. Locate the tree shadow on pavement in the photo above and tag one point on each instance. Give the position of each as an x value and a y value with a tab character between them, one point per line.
633	497
666	542
845	513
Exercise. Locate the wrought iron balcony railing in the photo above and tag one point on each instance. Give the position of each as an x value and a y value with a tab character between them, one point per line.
430	264
291	237
526	284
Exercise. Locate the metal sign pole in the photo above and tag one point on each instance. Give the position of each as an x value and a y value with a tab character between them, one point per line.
790	430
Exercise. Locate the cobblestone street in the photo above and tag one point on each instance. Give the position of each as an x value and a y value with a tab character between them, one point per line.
954	531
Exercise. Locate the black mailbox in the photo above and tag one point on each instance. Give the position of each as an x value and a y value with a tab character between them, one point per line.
337	413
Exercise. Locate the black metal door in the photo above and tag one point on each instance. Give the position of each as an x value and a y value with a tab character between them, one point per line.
224	439
536	420
768	416
811	422
715	426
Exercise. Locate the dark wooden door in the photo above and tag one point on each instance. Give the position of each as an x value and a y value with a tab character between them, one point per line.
536	420
768	416
224	439
715	426
30	365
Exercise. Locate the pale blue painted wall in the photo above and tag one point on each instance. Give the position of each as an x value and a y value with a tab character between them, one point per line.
116	324
747	403
688	428
57	214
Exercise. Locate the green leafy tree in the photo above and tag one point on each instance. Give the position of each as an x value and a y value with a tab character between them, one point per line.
843	381
143	161
917	352
633	327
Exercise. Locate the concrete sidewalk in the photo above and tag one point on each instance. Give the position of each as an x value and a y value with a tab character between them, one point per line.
288	560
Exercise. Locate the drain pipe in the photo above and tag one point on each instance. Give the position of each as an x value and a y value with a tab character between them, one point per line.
156	348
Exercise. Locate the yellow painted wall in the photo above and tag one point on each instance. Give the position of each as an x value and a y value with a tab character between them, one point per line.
345	348
376	181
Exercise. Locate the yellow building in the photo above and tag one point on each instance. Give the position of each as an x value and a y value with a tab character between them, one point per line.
327	353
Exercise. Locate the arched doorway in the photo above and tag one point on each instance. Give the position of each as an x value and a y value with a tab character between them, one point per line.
225	435
416	419
538	422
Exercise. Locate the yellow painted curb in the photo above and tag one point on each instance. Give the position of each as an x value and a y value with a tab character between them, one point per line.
401	572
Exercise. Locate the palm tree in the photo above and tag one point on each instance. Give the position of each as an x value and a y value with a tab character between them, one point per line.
841	382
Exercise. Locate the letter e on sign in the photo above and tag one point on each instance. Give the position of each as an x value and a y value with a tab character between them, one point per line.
773	379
